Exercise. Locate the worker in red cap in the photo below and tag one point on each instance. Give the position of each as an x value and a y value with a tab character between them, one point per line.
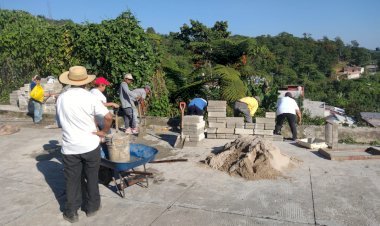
100	87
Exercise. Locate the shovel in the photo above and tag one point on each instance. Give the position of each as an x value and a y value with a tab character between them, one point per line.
181	139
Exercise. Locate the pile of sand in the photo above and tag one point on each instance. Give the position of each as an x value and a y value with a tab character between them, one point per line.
8	129
250	157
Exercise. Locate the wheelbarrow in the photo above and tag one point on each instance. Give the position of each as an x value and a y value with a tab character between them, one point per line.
123	174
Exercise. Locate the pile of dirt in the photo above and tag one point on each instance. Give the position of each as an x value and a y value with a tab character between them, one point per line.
250	157
8	129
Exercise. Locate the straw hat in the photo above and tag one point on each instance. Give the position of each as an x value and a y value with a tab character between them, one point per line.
77	76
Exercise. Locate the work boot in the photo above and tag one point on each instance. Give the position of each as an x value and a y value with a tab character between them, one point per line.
71	217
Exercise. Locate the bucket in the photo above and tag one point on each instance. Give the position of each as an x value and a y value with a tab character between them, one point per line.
118	147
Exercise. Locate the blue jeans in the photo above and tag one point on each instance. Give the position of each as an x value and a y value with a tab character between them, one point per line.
37	111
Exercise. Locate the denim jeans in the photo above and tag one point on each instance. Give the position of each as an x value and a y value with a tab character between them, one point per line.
37	111
81	176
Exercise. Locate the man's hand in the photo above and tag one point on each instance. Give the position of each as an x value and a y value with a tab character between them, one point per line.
115	105
100	133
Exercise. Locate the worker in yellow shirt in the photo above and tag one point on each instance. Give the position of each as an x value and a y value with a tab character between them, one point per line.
247	106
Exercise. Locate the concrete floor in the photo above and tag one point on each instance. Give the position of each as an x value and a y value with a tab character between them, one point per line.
316	192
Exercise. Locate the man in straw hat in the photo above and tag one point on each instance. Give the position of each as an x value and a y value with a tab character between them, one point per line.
76	109
247	106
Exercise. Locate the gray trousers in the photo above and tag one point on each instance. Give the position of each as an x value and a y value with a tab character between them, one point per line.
242	108
129	120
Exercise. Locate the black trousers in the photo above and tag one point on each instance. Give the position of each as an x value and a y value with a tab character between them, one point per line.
193	110
292	123
81	176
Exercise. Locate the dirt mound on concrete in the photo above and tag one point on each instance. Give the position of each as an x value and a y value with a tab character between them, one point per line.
250	157
8	129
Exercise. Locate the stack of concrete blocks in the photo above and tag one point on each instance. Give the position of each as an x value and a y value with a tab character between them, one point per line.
217	117
265	126
21	97
54	87
193	128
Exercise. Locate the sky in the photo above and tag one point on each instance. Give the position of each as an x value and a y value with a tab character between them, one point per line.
348	19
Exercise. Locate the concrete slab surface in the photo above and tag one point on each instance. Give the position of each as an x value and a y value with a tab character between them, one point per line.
315	192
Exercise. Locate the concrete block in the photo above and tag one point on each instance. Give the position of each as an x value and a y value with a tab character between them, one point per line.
221	119
232	136
263	132
239	125
196	138
211	135
221	136
235	119
217	114
259	126
192	132
264	120
270	115
212	119
195	125
230	125
216	109
192	119
226	130
216	103
243	131
269	126
211	130
248	125
217	124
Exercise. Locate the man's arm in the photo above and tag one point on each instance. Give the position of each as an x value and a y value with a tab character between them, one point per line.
299	114
107	125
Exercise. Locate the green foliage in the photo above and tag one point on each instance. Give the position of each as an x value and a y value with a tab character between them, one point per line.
33	45
232	87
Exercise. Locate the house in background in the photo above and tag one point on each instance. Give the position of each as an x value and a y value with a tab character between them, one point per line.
371	69
296	91
353	72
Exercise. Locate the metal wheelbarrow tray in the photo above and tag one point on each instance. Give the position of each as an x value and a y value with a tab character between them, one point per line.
140	155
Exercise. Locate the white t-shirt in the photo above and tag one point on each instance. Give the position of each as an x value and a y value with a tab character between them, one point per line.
76	109
99	95
286	105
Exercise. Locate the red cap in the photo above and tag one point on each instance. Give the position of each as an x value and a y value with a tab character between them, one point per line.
101	80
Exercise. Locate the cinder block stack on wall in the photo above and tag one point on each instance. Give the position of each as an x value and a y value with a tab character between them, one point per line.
222	127
193	128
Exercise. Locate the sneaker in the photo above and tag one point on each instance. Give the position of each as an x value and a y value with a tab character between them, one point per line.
135	131
71	217
128	131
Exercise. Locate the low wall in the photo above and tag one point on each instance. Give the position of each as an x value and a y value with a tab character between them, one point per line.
358	134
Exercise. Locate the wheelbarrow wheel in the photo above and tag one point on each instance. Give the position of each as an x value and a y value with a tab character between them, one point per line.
105	175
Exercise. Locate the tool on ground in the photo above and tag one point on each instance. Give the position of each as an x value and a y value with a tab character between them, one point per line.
168	160
181	139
